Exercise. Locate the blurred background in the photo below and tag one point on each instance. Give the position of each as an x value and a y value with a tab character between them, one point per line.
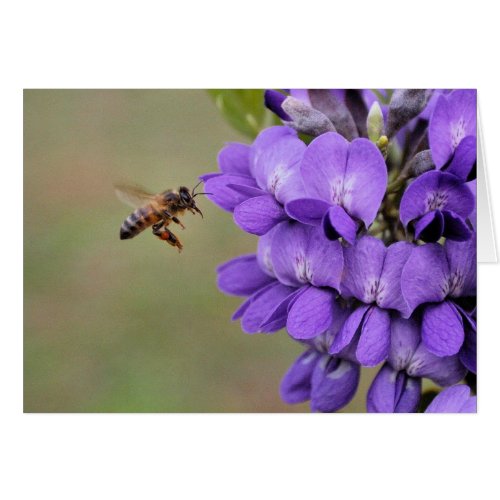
132	326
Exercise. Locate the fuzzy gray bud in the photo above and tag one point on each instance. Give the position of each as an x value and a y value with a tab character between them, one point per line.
421	163
405	104
305	119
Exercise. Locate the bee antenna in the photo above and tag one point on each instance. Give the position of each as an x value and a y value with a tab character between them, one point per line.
194	196
194	189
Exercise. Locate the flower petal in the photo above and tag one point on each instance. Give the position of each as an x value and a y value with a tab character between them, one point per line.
430	227
273	101
442	329
241	276
462	263
363	263
259	215
375	337
264	252
425	275
302	254
338	223
262	304
405	338
224	196
365	180
323	165
334	383
454	118
351	326
455	227
393	392
234	158
275	153
444	370
389	294
464	158
307	210
435	190
277	318
454	399
311	313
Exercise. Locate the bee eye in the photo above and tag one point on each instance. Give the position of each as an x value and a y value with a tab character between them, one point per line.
185	197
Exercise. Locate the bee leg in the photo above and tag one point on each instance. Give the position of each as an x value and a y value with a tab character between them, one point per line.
166	235
175	219
156	227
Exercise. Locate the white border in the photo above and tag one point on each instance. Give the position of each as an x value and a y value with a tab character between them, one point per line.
212	44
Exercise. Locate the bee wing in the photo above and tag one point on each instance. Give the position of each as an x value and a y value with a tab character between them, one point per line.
134	196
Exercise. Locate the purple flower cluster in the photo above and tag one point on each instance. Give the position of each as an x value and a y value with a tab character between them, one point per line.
364	204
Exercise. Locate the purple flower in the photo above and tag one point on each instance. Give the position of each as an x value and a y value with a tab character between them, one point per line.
330	382
437	204
456	399
452	133
372	276
397	386
302	258
257	180
440	278
287	282
344	184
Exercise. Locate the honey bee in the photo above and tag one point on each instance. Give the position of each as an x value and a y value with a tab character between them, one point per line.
156	210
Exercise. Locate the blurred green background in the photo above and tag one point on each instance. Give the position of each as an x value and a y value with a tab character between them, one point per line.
132	326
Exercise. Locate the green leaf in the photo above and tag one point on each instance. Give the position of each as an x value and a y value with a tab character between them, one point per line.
244	109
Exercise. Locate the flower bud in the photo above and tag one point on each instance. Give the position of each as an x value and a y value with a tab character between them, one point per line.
405	104
305	119
336	111
375	122
421	163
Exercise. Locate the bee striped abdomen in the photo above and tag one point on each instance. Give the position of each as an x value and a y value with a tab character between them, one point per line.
137	221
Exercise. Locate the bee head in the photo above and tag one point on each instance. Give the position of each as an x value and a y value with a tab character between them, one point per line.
187	200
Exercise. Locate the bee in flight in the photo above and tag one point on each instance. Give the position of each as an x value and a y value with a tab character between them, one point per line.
156	210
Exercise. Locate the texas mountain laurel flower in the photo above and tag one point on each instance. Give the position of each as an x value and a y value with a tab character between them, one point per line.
364	205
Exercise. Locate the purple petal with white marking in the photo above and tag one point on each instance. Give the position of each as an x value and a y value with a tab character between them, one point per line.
462	263
259	215
363	263
264	252
453	119
405	338
299	254
442	329
276	153
334	383
365	180
435	190
323	167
